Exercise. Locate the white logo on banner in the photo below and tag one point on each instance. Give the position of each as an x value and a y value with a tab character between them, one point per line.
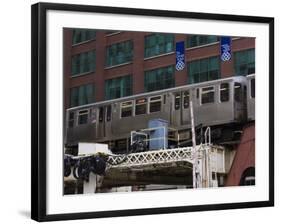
180	62
226	55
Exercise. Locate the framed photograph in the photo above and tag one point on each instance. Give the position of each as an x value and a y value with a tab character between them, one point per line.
140	111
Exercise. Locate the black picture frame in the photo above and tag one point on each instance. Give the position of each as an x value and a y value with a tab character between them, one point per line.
39	115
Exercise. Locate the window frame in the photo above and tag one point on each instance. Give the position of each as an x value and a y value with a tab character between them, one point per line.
84	41
158	44
140	104
192	76
252	96
86	56
154	72
203	92
184	96
127	106
71	120
154	101
81	113
109	48
220	91
241	92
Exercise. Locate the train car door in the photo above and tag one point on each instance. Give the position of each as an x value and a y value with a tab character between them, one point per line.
107	122
101	125
185	111
239	102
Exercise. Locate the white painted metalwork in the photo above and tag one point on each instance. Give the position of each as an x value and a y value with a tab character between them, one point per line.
152	157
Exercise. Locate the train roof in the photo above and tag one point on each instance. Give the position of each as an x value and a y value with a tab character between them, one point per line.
178	88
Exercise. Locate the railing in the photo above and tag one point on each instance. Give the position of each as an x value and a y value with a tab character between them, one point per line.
153	157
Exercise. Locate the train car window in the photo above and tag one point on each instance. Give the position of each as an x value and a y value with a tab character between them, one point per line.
127	109
177	101
224	92
155	104
238	94
101	114
108	113
83	117
197	93
253	88
71	119
141	105
208	95
185	99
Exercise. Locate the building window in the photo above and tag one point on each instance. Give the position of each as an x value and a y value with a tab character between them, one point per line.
119	53
81	95
118	87
83	63
204	70
157	44
244	62
208	95
199	40
82	35
224	92
160	78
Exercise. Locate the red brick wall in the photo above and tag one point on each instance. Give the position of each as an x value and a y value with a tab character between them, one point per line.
244	158
139	64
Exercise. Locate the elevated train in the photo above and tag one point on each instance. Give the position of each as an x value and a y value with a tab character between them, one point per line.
224	105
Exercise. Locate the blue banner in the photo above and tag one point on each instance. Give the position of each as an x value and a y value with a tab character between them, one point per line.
180	56
225	48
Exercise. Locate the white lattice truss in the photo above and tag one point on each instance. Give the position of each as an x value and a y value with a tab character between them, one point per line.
154	157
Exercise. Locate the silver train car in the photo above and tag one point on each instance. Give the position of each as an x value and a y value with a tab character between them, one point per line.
251	83
223	104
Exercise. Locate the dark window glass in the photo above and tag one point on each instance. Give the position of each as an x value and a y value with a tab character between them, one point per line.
224	92
208	95
185	99
238	93
83	117
198	40
253	88
71	119
177	101
81	35
119	53
157	44
244	62
82	95
204	70
127	109
160	78
155	104
118	87
83	63
108	113
141	105
101	114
